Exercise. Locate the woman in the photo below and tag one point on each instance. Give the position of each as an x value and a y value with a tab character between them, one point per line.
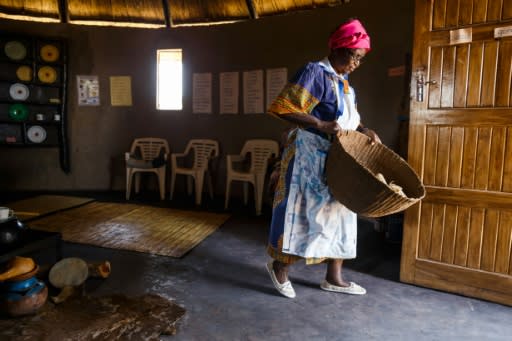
307	222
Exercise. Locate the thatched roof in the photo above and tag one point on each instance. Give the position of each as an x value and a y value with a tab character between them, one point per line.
153	13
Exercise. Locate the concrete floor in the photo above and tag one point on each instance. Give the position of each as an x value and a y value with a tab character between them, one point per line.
228	295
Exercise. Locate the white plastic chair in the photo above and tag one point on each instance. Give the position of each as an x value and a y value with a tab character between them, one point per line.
147	155
260	152
204	150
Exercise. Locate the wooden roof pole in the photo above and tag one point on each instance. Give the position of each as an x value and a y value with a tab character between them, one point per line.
63	11
252	9
167	13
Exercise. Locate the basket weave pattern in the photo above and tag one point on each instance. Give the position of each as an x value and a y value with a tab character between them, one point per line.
352	164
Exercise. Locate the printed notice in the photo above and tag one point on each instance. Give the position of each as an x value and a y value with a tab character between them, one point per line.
229	93
461	36
253	92
276	80
500	32
121	91
202	93
88	90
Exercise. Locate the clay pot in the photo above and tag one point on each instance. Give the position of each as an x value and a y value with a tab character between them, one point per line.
19	304
20	286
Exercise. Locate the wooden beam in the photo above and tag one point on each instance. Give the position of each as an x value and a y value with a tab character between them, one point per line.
63	11
167	13
252	9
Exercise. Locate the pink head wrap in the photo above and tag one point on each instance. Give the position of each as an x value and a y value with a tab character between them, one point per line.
350	34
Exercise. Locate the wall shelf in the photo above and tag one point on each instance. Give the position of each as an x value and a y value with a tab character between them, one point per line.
33	83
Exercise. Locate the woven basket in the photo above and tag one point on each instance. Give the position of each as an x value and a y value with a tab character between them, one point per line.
352	164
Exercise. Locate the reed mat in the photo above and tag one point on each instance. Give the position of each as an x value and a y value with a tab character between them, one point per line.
114	317
156	230
31	208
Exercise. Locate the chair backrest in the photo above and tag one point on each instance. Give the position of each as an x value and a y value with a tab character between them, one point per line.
261	150
150	147
203	150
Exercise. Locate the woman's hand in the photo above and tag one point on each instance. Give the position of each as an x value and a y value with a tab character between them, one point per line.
372	135
329	127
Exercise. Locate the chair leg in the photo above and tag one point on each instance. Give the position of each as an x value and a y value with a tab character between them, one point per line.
258	193
189	185
228	187
173	180
128	183
198	181
161	182
137	182
209	184
246	192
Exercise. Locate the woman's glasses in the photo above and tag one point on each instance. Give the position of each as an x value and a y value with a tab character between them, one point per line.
358	59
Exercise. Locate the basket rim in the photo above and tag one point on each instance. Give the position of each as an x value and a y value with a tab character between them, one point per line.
388	150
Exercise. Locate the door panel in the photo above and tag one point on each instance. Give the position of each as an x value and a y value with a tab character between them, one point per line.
503	245
497	159
507	10
449	235
479	11
465	12
459	238
475	74
461	76
503	90
462	236
447	78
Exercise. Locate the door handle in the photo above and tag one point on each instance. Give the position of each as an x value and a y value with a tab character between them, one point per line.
420	83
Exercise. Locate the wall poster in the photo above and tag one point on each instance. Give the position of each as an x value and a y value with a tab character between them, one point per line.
120	90
202	93
276	80
88	90
253	92
229	85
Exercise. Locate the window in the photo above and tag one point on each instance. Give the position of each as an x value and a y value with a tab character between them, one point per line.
169	80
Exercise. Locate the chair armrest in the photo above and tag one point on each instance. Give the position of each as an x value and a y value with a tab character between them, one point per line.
127	156
235	158
232	159
175	155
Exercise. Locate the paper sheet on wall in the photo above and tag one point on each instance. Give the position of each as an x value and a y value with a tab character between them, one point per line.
276	80
88	90
120	90
253	92
229	85
202	93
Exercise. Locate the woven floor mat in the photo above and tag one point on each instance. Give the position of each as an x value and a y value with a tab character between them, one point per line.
156	230
31	208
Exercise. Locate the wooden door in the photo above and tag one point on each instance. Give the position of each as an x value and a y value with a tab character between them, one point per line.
459	237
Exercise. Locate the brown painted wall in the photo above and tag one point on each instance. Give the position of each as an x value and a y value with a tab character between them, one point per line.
101	134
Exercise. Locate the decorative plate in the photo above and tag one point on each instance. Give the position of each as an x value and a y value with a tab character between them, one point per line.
15	50
47	74
49	53
18	112
36	134
19	91
24	73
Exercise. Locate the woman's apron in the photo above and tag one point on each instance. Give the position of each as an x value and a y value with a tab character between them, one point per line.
316	225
